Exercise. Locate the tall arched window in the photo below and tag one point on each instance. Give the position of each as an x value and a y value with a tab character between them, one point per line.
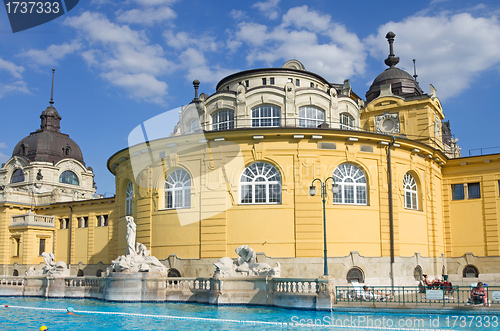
310	117
260	183
223	120
17	176
346	121
129	195
352	185
411	192
265	115
177	190
69	177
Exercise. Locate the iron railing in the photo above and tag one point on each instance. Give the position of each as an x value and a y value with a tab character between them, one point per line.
414	295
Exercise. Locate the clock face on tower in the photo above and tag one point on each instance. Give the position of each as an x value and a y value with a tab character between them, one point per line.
387	123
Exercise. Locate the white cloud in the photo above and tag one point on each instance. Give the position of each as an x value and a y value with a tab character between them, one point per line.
51	54
154	2
13	84
125	57
147	16
140	85
268	8
182	40
236	14
302	17
311	37
14	70
197	67
451	51
18	86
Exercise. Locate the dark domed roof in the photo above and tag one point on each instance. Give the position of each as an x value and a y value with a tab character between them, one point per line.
392	74
402	83
48	144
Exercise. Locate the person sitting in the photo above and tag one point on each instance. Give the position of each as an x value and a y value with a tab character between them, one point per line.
479	295
435	282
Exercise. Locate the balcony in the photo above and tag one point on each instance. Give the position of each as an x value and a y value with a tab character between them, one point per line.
31	219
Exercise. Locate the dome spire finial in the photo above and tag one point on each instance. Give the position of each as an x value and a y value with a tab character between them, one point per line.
52	88
391	60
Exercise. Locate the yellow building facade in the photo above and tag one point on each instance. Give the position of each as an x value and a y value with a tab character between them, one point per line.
239	167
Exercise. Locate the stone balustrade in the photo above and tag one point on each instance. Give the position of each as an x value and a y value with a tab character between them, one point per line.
187	284
295	285
31	219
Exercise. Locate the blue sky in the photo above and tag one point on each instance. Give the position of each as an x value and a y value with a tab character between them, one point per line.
120	63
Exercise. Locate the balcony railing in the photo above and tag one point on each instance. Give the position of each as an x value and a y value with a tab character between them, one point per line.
31	219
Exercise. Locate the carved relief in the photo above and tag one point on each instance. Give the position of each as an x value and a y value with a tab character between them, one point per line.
290	91
387	123
241	94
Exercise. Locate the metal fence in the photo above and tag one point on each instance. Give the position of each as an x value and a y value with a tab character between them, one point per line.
414	295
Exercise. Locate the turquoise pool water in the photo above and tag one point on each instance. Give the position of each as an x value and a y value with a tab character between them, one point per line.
32	313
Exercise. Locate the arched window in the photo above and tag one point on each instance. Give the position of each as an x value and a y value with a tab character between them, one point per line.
99	273
411	192
346	121
470	271
352	185
173	273
355	275
265	115
260	183
15	273
129	194
17	176
177	190
223	120
310	117
80	273
418	273
69	177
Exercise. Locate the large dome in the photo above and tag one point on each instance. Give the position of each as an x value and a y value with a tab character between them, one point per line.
48	144
402	83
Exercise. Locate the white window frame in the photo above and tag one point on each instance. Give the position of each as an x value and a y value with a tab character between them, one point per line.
129	196
177	187
346	121
352	184
410	191
311	117
261	118
263	182
223	120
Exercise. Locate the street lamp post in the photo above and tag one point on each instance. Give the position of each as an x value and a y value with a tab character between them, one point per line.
312	192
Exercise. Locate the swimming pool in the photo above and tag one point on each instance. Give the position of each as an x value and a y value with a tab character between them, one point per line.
22	313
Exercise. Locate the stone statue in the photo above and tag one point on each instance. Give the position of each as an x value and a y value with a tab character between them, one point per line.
137	258
51	268
245	265
131	234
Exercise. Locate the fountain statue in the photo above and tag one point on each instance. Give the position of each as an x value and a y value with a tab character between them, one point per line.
245	265
137	258
51	268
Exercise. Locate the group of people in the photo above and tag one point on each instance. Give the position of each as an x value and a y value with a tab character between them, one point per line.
478	295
